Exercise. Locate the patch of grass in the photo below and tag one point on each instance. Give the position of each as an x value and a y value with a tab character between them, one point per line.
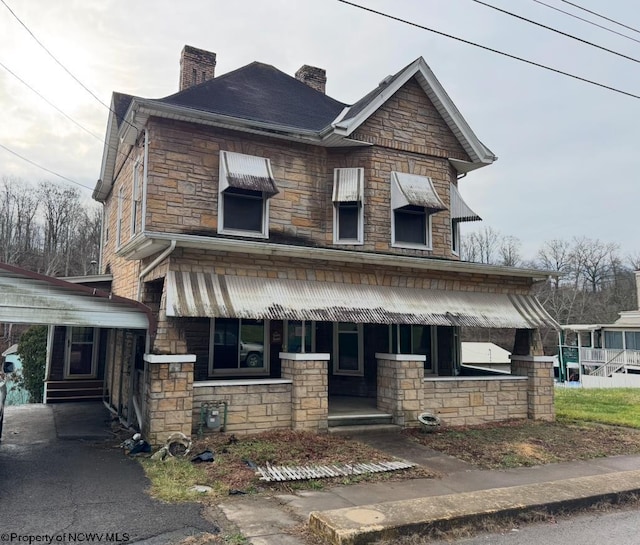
613	406
172	478
527	443
234	457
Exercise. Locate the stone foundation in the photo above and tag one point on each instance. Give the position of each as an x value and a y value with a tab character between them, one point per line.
253	405
476	400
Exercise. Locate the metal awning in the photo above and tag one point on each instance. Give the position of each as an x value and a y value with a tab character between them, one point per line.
246	172
347	184
30	298
411	189
460	211
210	295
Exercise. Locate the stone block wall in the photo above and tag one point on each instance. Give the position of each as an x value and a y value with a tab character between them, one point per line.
168	396
309	390
471	401
252	405
400	389
539	372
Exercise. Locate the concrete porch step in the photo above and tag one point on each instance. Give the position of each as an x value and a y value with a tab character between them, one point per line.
370	419
364	428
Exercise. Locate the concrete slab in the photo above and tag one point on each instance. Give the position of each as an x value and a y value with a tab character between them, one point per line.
363	524
261	520
90	420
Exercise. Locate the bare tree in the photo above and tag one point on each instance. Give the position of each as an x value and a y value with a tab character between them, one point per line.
509	251
481	246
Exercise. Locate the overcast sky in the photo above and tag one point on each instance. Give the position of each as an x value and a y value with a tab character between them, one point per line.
568	152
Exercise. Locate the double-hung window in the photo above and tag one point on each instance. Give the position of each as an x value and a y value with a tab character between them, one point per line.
460	212
413	201
348	210
246	185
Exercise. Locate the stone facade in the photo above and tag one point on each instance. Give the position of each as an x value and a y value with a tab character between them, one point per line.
459	401
400	389
539	372
168	397
310	390
252	405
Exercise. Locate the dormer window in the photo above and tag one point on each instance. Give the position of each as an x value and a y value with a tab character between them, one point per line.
246	185
413	201
348	210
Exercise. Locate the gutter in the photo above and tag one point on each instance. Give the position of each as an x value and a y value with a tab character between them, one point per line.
324	254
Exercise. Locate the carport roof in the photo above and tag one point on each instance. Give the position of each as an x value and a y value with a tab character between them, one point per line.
31	298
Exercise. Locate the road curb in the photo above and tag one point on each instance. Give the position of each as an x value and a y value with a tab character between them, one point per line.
363	524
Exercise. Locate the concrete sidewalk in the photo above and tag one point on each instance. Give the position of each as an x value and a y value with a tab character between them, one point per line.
361	513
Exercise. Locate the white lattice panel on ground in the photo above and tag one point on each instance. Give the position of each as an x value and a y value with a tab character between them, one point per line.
285	473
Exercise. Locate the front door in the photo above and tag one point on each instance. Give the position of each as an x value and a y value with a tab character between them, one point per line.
81	352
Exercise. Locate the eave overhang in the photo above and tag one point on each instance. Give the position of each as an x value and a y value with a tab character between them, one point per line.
147	244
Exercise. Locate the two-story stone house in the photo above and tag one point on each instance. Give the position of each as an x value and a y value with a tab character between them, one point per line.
302	254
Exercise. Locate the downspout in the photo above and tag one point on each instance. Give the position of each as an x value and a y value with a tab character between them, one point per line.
101	239
153	265
145	172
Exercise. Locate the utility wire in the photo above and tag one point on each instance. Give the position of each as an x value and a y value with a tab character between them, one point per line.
601	16
49	102
566	34
586	20
88	131
59	63
486	48
44	168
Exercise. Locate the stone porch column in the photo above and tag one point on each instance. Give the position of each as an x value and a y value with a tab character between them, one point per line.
168	396
309	391
539	371
400	387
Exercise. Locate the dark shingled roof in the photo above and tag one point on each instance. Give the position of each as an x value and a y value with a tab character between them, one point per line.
121	105
260	92
370	96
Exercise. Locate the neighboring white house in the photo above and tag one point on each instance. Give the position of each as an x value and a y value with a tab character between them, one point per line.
607	355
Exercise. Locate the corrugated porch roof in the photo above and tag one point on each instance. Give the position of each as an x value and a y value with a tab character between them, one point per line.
31	298
211	295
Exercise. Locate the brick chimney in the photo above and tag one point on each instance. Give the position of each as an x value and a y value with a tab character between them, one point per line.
196	66
315	78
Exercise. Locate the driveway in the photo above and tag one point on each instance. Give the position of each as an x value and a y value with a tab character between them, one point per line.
58	474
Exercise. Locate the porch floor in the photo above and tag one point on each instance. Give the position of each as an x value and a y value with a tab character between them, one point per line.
351	406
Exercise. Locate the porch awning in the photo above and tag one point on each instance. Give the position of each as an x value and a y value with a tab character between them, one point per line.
247	172
414	190
210	295
31	298
460	211
347	185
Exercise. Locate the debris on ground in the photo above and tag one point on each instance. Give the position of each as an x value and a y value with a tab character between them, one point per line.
298	473
204	456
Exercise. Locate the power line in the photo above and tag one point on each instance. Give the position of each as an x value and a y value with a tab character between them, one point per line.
486	48
60	63
586	20
102	140
44	168
566	34
601	16
49	102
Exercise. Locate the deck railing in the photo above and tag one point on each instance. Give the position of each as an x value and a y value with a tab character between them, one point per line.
609	360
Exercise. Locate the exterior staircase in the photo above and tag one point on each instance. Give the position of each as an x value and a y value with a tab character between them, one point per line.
59	391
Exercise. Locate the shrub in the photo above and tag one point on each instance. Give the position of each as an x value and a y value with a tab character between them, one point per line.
32	350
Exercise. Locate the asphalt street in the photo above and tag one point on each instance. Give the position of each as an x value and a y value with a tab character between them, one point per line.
52	487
